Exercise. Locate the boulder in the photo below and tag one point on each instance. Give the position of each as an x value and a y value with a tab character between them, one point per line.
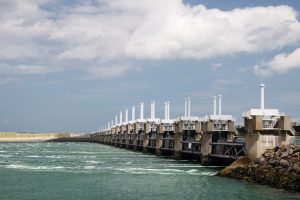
279	167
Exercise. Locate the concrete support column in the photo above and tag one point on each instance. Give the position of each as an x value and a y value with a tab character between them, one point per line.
158	144
206	138
177	145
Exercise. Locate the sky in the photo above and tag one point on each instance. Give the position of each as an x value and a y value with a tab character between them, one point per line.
72	65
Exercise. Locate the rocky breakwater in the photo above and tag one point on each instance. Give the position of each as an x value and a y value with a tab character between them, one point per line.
278	167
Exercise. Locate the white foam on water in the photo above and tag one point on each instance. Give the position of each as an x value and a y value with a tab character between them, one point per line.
94	162
208	173
6	156
28	167
54	156
89	167
88	156
192	171
139	170
34	156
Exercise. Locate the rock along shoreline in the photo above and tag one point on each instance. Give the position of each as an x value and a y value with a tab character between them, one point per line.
278	168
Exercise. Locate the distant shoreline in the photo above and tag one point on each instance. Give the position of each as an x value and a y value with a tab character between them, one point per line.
13	137
27	139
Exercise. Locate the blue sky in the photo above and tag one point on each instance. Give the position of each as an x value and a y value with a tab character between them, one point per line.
73	65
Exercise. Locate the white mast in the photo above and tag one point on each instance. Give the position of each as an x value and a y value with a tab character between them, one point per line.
185	107
142	111
220	104
262	96
152	110
126	116
215	105
189	107
166	110
133	113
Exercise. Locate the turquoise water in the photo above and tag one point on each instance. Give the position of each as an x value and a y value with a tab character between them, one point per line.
94	171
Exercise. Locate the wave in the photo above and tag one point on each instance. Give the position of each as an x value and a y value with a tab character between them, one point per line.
6	156
89	167
94	162
28	167
34	156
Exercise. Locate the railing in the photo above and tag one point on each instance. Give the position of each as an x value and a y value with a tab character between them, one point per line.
168	143
130	138
269	123
293	131
189	126
168	127
220	125
124	138
236	132
193	147
152	140
229	150
140	139
152	143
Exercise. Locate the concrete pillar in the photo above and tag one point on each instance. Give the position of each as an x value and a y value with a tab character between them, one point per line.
177	145
206	138
158	144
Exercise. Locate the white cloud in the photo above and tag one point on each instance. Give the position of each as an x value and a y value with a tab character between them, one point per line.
216	66
134	29
26	69
113	30
9	80
108	71
279	64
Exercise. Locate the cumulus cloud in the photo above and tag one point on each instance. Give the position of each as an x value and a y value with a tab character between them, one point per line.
135	29
109	30
279	64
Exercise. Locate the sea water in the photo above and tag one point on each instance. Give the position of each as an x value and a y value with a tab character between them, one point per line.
92	171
